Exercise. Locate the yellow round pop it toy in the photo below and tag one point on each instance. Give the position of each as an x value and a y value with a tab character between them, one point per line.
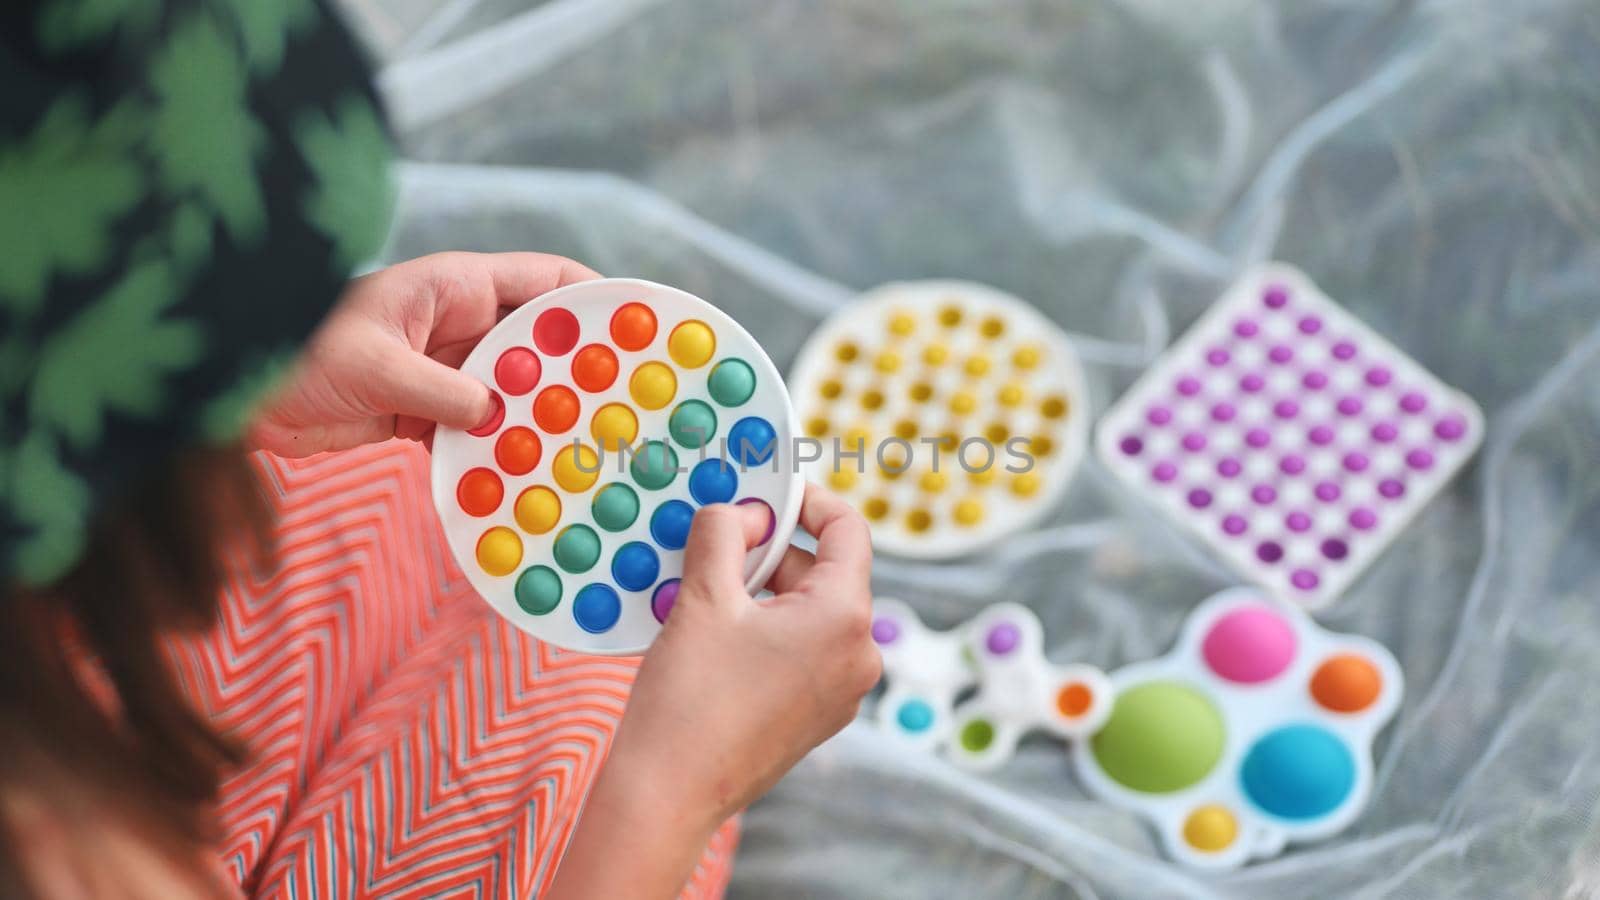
951	414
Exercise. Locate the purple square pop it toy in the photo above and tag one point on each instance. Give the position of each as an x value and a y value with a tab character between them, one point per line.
1289	436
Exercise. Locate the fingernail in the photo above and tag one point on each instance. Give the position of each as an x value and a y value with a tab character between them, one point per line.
491	422
758	513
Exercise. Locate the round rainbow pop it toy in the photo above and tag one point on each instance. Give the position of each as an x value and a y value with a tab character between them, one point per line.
949	413
624	407
1254	732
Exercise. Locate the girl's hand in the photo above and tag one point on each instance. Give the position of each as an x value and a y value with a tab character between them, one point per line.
384	363
730	696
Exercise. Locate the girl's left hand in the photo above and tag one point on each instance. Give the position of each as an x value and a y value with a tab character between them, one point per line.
384	362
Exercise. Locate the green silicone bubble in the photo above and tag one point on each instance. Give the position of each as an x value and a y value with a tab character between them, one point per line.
732	381
577	548
977	735
538	590
615	507
654	466
693	424
1162	737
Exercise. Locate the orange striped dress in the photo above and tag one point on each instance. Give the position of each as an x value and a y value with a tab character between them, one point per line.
405	740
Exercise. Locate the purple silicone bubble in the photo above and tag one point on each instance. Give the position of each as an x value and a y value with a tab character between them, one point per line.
1293	464
1304	579
885	631
1252	383
1194	442
1131	445
666	597
1245	328
1310	325
1003	638
1275	296
1263	494
1223	412
1158	415
1188	385
1384	432
1344	350
1413	402
1298	522
1363	518
1199	498
1392	488
1258	437
1286	409
1348	406
1419	459
1321	435
772	519
1314	380
1355	461
1217	356
1280	354
1378	376
1233	523
1269	551
1333	548
1450	428
1228	467
1327	491
1164	472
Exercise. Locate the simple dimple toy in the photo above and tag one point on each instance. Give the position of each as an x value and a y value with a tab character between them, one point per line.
1254	732
622	406
923	669
1289	436
1020	691
949	413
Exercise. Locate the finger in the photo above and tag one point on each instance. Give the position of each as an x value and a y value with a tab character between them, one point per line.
713	557
792	569
520	277
412	384
842	536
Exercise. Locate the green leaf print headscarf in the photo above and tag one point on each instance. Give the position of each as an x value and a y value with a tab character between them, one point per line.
184	187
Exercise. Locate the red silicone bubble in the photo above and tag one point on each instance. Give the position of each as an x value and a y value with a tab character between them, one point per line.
479	492
496	418
555	331
633	326
555	409
518	450
517	371
594	368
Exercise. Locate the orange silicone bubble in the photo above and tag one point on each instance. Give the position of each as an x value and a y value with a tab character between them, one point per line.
479	492
517	451
556	408
594	368
1346	683
633	326
1074	699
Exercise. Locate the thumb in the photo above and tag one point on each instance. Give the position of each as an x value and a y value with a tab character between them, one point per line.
713	557
418	385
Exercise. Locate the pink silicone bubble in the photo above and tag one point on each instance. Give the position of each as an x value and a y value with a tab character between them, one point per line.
1194	442
1293	464
1164	471
1217	356
1310	325
1349	406
1335	549
1298	522
1245	328
1258	437
1384	432
1363	518
1158	415
1286	409
1199	498
1413	402
1378	376
1233	523
1281	354
1419	459
1223	412
1263	494
1252	383
1304	579
1392	488
1320	435
1355	461
1327	491
1450	428
1314	380
1188	385
1249	645
1131	445
1275	296
1228	467
1344	350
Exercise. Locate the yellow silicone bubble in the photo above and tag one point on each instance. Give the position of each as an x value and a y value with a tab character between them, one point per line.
856	439
538	509
1011	395
830	389
992	327
977	365
1026	357
846	352
962	402
567	471
902	324
816	426
888	361
1210	828
996	433
950	316
842	478
969	512
919	520
921	392
1025	485
893	463
949	441
1041	445
905	429
499	551
871	399
933	482
691	344
1053	407
935	354
876	508
984	477
613	426
653	385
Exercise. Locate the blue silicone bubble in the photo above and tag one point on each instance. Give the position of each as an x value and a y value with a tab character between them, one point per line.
669	524
635	566
1298	772
914	715
596	608
752	441
713	481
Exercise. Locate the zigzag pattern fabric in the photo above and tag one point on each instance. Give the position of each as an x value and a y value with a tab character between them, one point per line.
406	741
